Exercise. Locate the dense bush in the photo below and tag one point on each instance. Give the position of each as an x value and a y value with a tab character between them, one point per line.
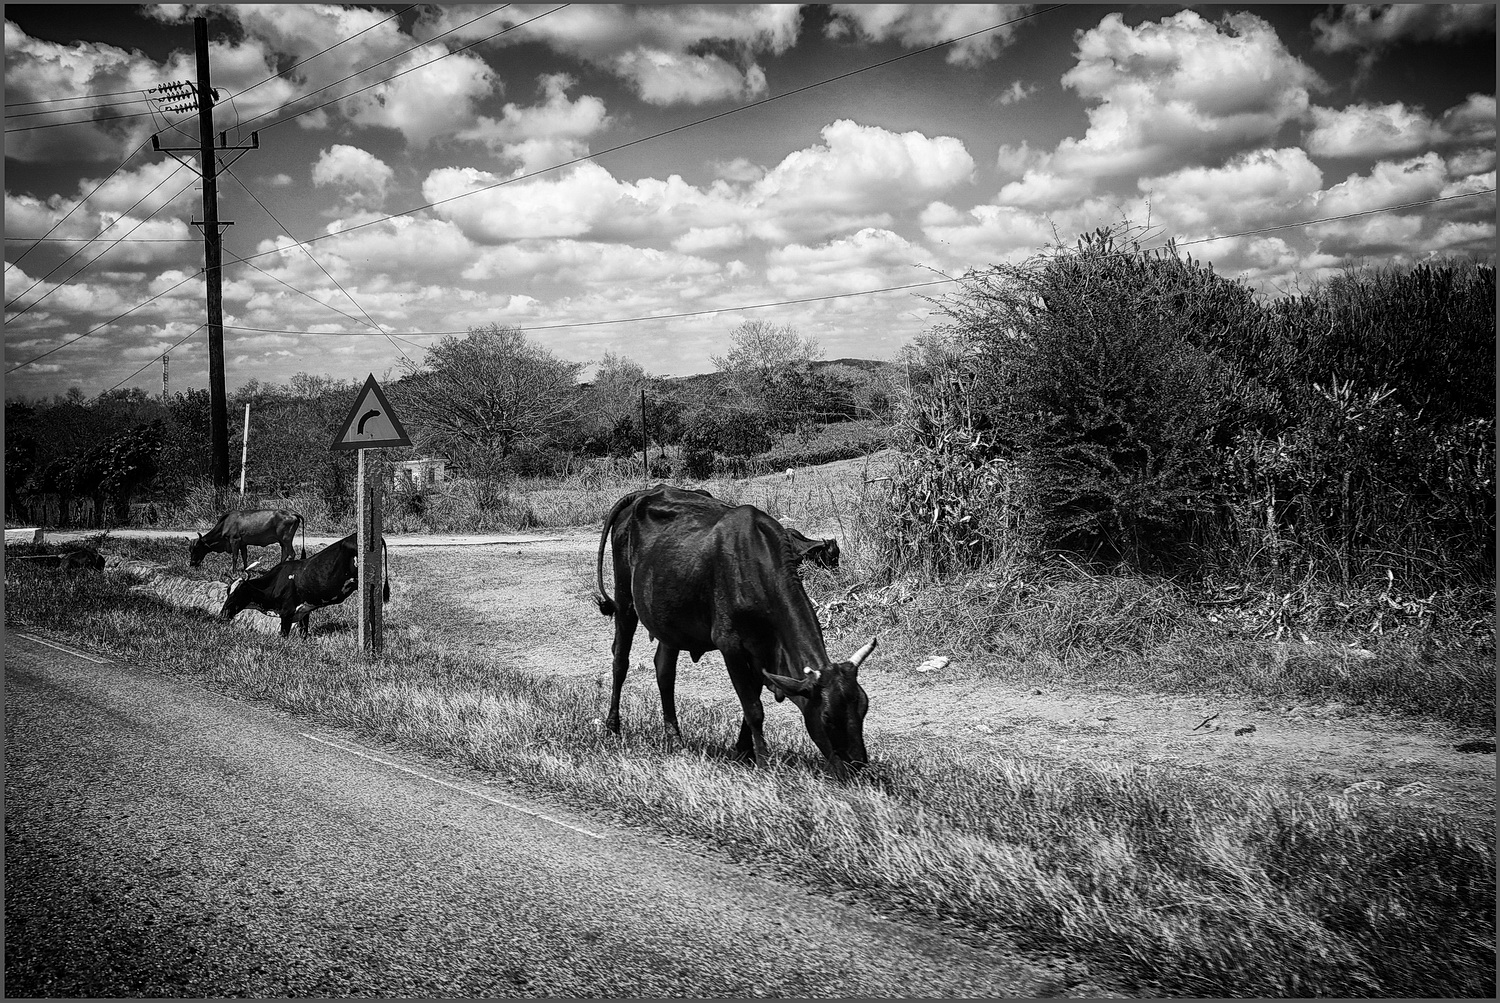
1144	410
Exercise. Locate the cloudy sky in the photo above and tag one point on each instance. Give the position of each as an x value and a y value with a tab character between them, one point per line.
573	169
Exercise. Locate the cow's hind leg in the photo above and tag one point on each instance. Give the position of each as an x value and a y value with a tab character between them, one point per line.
666	682
625	622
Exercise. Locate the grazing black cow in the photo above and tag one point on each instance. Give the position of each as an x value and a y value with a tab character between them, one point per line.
704	576
296	588
235	531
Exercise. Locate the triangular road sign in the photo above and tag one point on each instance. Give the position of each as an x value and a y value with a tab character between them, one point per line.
371	423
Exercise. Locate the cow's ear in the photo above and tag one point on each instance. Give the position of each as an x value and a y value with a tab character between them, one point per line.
786	685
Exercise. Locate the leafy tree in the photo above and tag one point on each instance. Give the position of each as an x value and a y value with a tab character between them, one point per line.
480	397
769	366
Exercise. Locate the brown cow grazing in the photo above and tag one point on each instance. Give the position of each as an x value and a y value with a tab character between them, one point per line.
704	576
235	531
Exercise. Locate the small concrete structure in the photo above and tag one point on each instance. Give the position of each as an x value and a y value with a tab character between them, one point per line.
30	535
422	471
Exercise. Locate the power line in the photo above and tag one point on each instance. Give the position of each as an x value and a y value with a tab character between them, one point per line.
624	320
363	69
80	97
186	279
1331	219
98	107
315	55
77	205
151	362
807	299
82	121
315	261
116	240
124	215
674	129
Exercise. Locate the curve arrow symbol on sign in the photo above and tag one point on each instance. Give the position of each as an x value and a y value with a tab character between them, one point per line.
360	429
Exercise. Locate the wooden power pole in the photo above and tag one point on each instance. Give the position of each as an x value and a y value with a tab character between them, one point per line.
213	255
213	265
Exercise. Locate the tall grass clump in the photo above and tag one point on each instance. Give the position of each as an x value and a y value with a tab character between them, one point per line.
1166	882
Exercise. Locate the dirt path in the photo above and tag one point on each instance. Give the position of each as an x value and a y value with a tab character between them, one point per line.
531	604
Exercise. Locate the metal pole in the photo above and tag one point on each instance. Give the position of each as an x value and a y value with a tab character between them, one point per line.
213	266
244	451
371	568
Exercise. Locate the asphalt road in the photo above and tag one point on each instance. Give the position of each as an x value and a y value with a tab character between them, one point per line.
162	840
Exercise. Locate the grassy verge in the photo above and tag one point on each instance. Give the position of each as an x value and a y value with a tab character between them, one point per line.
1129	632
1172	883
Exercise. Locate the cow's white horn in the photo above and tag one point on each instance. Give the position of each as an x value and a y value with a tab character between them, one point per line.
863	653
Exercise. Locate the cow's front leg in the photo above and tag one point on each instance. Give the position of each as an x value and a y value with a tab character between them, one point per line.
752	740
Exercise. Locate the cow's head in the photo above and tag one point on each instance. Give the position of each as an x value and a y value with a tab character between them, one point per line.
197	550
833	706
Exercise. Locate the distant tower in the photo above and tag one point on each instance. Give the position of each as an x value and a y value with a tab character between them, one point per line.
164	392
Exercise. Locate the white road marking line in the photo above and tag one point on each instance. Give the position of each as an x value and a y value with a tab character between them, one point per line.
72	651
356	750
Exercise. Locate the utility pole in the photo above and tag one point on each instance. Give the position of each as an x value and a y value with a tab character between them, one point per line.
213	254
645	462
213	264
165	393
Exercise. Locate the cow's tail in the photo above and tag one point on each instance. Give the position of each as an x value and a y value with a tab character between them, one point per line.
606	604
385	570
302	528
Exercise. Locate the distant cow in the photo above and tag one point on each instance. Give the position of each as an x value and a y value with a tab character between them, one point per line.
235	531
704	576
296	588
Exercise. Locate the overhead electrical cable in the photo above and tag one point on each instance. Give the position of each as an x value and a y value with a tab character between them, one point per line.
1332	219
80	97
98	107
315	261
79	204
124	215
281	73
94	330
365	69
809	299
152	361
674	129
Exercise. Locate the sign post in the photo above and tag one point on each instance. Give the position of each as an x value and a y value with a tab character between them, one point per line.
371	426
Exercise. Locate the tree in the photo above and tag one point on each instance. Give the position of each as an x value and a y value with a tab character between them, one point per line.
480	397
770	367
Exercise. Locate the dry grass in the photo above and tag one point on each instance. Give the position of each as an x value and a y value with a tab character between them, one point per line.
1167	882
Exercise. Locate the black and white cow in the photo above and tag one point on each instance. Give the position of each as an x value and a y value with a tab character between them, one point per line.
296	588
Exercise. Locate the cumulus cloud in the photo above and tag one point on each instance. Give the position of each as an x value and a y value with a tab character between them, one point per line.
362	177
678	54
858	176
1168	92
917	25
869	258
1370	29
545	134
1388	183
1260	187
1041	189
1363	130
